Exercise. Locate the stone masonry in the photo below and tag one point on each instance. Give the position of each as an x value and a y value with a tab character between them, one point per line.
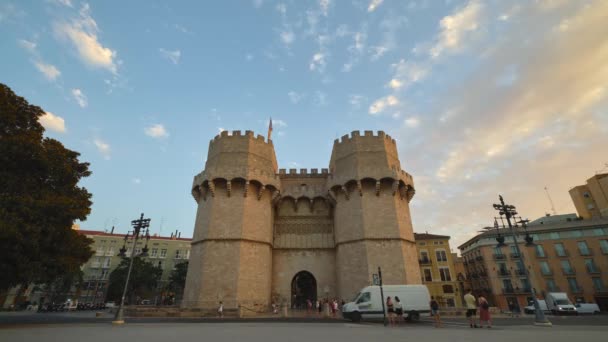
258	227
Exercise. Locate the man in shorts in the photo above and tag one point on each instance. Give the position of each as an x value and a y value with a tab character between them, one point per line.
471	304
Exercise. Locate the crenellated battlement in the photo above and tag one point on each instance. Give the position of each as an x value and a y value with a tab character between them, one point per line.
354	135
237	134
303	172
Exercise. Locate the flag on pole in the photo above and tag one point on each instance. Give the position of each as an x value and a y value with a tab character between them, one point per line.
269	128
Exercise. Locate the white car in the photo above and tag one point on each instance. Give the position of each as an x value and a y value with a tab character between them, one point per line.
110	305
587	308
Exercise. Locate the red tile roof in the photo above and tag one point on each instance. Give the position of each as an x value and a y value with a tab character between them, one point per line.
152	237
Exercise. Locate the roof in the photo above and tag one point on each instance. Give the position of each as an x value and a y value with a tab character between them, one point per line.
427	236
152	237
538	228
554	219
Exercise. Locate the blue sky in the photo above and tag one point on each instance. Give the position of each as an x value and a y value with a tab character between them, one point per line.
484	97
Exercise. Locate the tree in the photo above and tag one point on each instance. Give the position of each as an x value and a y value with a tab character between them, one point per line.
143	280
39	199
177	279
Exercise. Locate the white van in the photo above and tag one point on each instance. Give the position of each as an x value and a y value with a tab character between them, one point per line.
560	304
368	304
587	308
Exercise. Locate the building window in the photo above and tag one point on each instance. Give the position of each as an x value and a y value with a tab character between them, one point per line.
566	267
590	266
137	251
110	251
104	274
178	254
544	268
525	284
99	250
586	195
187	254
154	253
428	276
598	232
450	302
444	273
559	250
514	251
424	257
163	253
507	285
540	251
604	246
554	236
597	284
441	255
422	244
107	262
551	287
448	289
573	285
583	248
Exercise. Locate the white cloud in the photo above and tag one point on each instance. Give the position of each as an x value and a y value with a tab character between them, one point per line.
156	131
373	5
173	56
390	26
406	73
295	97
395	83
102	147
356	100
67	3
50	71
136	181
249	57
287	37
455	27
317	63
27	45
381	104
52	122
324	5
412	122
82	33
80	97
277	123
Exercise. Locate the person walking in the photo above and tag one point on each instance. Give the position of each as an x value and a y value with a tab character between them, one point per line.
390	308
471	304
220	310
398	309
484	312
435	312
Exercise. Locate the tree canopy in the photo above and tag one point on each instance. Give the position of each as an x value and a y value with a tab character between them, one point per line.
177	279
143	280
39	199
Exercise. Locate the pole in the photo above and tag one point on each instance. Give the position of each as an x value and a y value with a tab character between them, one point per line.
119	319
382	297
540	318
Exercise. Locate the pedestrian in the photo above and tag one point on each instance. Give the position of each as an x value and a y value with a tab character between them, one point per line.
435	312
334	307
398	309
220	310
511	308
391	311
471	303
484	312
308	307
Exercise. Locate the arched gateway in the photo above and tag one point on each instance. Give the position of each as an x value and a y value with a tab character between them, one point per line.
303	287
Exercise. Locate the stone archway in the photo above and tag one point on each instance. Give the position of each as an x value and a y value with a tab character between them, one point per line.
303	287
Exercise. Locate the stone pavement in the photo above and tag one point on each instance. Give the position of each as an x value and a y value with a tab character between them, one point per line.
305	332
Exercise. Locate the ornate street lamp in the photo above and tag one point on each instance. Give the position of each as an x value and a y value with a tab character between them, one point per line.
508	211
138	227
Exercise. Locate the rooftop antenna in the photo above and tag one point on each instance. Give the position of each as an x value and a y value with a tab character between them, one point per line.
550	201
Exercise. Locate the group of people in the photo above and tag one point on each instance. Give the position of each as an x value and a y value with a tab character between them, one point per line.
318	306
473	304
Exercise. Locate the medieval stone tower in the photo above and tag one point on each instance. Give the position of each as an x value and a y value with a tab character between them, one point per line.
264	234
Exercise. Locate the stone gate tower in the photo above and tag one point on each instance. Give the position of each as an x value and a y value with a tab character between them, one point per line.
231	253
263	233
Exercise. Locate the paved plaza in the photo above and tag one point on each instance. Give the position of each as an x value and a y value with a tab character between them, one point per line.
152	331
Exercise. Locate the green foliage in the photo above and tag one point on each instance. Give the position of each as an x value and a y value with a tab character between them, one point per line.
39	199
143	280
177	279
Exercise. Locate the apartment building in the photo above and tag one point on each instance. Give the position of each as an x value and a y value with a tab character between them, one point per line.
569	255
437	268
591	199
163	252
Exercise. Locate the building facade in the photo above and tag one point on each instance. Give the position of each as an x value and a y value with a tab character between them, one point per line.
264	234
437	268
164	252
591	199
568	256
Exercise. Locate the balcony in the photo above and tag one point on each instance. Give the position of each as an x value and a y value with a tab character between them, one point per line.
527	289
547	273
593	270
541	256
562	254
521	272
514	256
479	258
585	251
568	272
95	265
499	257
578	289
426	261
503	273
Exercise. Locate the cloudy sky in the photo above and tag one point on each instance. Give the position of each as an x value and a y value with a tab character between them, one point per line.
483	97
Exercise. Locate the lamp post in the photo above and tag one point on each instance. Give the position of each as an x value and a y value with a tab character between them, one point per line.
138	226
508	211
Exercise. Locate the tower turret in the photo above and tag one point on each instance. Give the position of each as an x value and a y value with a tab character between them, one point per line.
231	253
372	217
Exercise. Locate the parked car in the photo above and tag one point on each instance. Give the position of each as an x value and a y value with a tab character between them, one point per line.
146	302
587	308
368	303
110	305
530	308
